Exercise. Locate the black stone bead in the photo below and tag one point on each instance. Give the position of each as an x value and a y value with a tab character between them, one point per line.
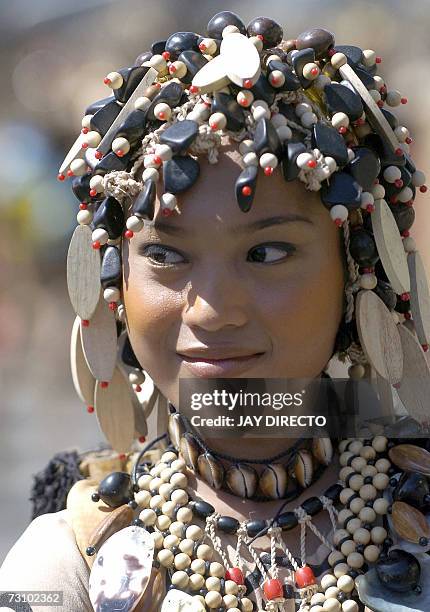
104	117
110	216
342	596
366	78
368	480
158	47
132	77
111	162
384	150
143	57
312	506
404	216
181	41
94	107
266	139
353	573
318	39
133	127
247	178
388	542
201	592
399	572
228	524
189	571
180	173
341	99
254	527
271	31
300	59
360	548
354	55
81	187
114	489
391	118
221	20
333	492
369	504
180	135
171	94
128	356
287	520
224	103
144	204
194	62
90	551
158	511
292	83
95	497
365	167
343	189
203	509
138	522
328	140
291	150
263	90
111	272
363	248
133	504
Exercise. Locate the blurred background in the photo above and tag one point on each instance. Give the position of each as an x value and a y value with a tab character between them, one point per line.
55	54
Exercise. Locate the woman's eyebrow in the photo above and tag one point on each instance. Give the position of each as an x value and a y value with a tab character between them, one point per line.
176	230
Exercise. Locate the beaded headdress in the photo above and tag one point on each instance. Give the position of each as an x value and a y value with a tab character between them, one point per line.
305	107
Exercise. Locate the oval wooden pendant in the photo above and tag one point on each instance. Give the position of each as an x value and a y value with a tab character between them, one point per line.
411	458
409	523
420	297
179	601
83	380
211	470
99	342
241	58
212	76
83	273
379	336
115	412
414	390
390	247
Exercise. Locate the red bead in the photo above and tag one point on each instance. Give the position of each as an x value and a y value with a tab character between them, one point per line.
380	103
312	163
410	203
396	385
85	145
107	81
407	315
398	183
142	438
157	159
98	154
376	181
128	234
83	206
61	177
268	171
166	212
403	100
331	52
261	37
69	172
90	409
120	153
194	89
378	60
96	244
314	71
202	47
273	588
398	151
246	191
235	574
405	296
342	130
247	83
85	130
383	89
370	208
104	384
93	193
113	305
393	199
166	55
338	222
85	322
368	270
304	577
172	69
408	140
423	188
405	233
122	456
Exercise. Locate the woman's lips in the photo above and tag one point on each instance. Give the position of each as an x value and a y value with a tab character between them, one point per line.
222	368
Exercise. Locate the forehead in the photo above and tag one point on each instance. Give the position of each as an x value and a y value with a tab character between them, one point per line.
212	197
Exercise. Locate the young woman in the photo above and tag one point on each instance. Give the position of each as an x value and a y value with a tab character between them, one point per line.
200	131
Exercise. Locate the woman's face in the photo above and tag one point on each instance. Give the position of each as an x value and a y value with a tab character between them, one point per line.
215	283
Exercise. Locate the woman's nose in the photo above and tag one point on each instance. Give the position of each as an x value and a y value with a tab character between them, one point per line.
215	303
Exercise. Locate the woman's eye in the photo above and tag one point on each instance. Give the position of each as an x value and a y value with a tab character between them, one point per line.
271	253
162	255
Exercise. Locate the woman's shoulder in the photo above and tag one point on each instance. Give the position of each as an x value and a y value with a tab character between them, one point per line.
45	557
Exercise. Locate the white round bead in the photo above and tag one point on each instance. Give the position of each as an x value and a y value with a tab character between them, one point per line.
348	547
150	161
101	235
148	517
357	504
409	244
340	120
345	495
345	457
208	46
92	139
276	78
379	443
368	281
358	463
369	57
165	490
162	111
327	581
179	496
405	194
345	472
150	174
371	553
168	200
268	160
278	120
213	598
246	146
204	551
247	605
382	465
380	506
163	151
369	470
353	525
197	581
308	119
218	121
114	80
339	211
86	121
418	178
231	587
317	598
361	535
78	167
157	536
301	108
163	522
96	182
303	159
367	492
331	605
184	514
380	481
356	482
345	583
186	546
170	541
178	69
332	591
350	606
144	481
337	60
142	103
180	579
176	528
367	515
230	601
120	146
339	534
393	97
158	62
335	557
355	560
391	174
179	479
198	566
343	515
168	508
216	569
135	224
401	133
378	534
213	583
182	561
165	557
250	159
341	569
245	98
356	372
311	71
84	217
378	191
230	29
194	532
